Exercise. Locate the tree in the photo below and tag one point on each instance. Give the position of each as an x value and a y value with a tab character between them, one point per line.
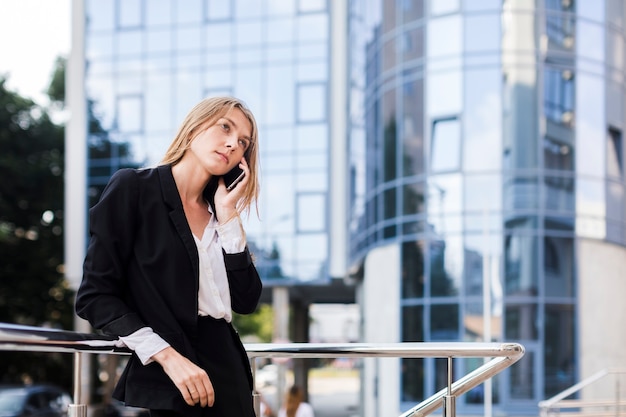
32	288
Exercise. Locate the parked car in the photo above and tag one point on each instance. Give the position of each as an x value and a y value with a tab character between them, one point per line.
34	401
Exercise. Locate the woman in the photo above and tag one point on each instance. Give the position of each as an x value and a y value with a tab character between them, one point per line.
167	263
294	406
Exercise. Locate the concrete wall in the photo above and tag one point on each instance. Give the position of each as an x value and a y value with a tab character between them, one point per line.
380	297
602	311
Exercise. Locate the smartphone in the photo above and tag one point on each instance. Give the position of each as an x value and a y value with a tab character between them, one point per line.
233	177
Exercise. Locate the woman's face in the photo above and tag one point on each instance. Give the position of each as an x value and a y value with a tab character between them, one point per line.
222	145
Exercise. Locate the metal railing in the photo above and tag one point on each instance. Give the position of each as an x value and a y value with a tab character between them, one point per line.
26	338
560	405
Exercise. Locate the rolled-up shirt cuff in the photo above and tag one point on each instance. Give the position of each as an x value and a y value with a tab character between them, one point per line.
145	343
232	236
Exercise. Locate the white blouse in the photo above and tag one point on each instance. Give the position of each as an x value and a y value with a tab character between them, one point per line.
213	293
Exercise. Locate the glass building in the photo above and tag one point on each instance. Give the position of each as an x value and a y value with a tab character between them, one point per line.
486	155
470	151
149	62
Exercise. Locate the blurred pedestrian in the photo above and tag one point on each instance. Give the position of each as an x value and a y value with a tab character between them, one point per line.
294	405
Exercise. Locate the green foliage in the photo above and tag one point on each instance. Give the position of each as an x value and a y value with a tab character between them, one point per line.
32	287
259	324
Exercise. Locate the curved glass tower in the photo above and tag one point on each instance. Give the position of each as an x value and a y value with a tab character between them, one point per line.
487	172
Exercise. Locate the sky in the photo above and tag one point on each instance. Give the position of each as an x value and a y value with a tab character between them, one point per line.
32	34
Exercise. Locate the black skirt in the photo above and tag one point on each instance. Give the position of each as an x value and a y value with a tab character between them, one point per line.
221	355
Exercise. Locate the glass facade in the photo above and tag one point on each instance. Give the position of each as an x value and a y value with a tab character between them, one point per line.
149	62
485	139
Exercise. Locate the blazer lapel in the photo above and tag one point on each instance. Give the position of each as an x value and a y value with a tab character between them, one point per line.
177	215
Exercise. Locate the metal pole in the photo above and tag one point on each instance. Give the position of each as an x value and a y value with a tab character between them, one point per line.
449	401
77	409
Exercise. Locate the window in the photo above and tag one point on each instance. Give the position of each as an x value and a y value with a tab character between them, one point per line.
445	145
218	10
558	95
614	155
130	14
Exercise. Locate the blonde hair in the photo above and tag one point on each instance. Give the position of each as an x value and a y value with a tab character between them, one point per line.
293	400
203	115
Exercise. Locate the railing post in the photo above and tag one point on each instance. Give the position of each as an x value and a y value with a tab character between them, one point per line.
77	409
449	400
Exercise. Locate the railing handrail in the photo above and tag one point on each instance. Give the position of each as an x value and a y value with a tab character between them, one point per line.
28	338
560	399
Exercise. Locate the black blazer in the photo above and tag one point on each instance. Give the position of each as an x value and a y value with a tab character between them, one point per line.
142	269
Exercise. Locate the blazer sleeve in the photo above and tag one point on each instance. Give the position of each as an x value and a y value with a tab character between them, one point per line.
244	281
101	297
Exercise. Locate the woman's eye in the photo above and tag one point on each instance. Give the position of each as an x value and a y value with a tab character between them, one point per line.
243	143
225	126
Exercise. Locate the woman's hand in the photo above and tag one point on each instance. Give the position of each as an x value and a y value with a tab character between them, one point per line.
191	380
226	201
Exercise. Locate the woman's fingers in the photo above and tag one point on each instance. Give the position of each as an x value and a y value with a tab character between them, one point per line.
191	380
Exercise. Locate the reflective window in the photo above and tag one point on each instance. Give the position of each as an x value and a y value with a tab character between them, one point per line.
249	33
590	39
311	209
312	138
246	9
558	95
279	30
521	193
478	5
129	42
101	15
130	114
520	264
519	95
189	11
412	281
445	203
482	136
591	10
280	7
558	154
445	35
413	198
446	145
614	153
559	194
158	91
130	13
590	208
312	27
590	158
522	378
390	135
158	13
444	322
482	33
560	22
438	7
188	38
158	41
412	369
389	205
98	46
305	6
219	36
482	258
411	9
313	254
444	93
559	350
446	262
521	322
312	102
483	193
412	43
558	266
217	9
413	128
